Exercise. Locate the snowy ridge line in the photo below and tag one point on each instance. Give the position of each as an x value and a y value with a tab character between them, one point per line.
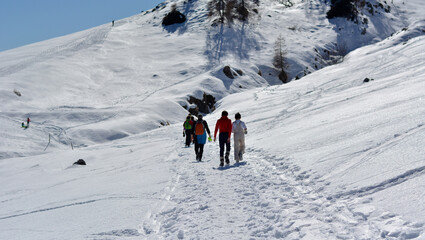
383	185
94	37
417	29
64	206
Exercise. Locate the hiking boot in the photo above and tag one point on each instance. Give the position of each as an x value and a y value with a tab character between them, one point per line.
227	157
240	155
221	163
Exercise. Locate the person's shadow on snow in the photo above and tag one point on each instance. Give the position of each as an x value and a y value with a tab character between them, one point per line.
226	167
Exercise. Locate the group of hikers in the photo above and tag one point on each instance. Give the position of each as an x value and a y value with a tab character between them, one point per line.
28	123
196	132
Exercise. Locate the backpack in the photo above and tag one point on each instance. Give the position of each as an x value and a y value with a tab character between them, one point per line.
199	128
238	128
187	125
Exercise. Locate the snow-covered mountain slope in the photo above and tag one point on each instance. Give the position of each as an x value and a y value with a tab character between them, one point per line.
329	156
74	87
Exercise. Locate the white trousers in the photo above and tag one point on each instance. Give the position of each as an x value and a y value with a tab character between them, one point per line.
239	144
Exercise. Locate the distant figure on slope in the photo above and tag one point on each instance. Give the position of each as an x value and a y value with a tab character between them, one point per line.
239	130
28	122
113	23
200	136
187	130
224	124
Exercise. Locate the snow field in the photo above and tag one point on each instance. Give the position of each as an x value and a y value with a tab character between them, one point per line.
329	156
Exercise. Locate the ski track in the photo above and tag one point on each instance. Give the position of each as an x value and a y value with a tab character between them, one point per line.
265	197
65	206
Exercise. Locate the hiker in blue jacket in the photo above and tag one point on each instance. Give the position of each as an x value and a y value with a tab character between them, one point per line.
200	136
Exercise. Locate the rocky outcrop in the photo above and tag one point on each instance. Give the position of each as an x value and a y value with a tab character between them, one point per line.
204	105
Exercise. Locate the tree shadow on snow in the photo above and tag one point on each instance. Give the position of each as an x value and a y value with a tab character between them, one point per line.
223	40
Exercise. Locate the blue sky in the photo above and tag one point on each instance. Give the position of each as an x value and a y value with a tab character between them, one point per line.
24	22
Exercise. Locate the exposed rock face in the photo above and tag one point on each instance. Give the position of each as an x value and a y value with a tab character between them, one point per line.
206	105
228	72
232	73
173	17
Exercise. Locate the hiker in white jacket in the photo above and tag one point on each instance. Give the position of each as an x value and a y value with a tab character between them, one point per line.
239	130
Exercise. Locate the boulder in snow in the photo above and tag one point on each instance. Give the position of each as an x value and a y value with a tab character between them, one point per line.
80	162
173	17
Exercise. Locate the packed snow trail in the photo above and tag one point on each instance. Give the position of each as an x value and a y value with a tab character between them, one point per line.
263	197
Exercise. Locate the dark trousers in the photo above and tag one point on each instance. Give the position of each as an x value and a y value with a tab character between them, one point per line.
224	143
188	137
199	150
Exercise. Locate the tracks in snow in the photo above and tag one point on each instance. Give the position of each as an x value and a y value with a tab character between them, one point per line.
91	38
266	198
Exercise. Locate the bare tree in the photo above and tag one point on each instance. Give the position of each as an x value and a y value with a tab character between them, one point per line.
243	11
216	7
286	3
280	60
221	7
230	9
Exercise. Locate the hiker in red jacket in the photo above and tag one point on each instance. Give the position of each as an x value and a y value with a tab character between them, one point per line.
224	124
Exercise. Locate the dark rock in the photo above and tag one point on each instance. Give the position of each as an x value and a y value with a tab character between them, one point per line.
228	72
342	8
173	17
80	162
17	92
232	73
206	105
240	72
